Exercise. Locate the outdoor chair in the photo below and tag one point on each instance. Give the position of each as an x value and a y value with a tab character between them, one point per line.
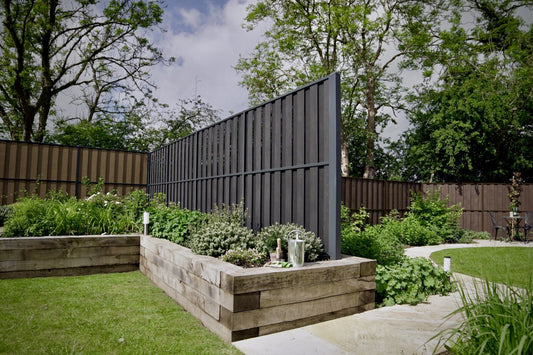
496	226
528	224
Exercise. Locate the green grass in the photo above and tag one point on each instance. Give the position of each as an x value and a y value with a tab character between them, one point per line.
98	314
507	265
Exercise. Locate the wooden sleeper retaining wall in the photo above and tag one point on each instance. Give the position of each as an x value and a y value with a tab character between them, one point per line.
68	256
238	303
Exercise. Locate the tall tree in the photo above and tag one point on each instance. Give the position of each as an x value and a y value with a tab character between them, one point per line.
361	39
49	47
147	125
473	117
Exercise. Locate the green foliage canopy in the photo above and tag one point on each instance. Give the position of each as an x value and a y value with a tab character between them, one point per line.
48	47
472	118
362	40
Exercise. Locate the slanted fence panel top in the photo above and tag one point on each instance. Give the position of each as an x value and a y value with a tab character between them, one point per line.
28	168
274	157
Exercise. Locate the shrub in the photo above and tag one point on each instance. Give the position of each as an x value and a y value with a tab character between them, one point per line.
5	212
135	203
497	320
410	281
28	218
59	214
244	257
432	212
267	241
410	231
353	220
375	242
216	238
234	214
174	223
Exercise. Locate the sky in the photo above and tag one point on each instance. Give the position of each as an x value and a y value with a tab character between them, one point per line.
206	38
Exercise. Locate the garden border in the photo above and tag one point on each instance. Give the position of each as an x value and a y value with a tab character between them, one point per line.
237	303
68	255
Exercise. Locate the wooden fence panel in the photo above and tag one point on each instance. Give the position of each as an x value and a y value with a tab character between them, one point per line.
32	168
381	197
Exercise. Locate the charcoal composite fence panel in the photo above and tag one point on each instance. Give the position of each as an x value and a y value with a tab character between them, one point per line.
281	159
32	168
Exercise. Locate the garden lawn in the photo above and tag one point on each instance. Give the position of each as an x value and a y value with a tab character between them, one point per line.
507	265
98	314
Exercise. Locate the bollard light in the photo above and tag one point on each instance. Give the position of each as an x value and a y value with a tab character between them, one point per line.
146	221
447	263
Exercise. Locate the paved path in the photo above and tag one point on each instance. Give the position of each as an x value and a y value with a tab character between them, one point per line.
401	329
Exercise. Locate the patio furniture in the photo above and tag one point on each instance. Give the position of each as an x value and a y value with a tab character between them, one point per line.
513	227
496	226
528	224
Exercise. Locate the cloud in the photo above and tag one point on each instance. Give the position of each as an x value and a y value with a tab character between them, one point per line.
207	45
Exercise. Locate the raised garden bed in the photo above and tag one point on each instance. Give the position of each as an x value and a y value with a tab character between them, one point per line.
238	303
67	256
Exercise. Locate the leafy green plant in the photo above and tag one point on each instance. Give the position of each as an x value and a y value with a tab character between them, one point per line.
244	257
234	214
410	231
410	281
375	242
497	320
174	223
353	220
268	236
28	218
5	212
433	212
59	214
93	187
216	238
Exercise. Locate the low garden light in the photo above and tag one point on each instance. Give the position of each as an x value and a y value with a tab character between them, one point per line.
447	263
146	221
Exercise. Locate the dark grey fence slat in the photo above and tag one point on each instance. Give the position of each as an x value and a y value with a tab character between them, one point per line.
265	160
286	159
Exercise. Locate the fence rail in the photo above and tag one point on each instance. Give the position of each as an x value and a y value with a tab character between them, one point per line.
38	168
380	197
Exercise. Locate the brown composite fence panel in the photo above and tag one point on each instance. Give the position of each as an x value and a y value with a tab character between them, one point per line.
478	199
280	158
380	197
31	168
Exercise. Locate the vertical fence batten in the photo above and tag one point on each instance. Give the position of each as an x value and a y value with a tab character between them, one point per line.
333	247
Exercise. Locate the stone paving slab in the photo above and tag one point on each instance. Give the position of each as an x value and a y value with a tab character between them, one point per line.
400	329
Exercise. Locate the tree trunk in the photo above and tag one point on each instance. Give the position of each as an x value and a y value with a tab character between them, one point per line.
345	160
29	117
370	168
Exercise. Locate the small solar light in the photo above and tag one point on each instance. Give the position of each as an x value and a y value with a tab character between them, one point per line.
146	222
447	263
